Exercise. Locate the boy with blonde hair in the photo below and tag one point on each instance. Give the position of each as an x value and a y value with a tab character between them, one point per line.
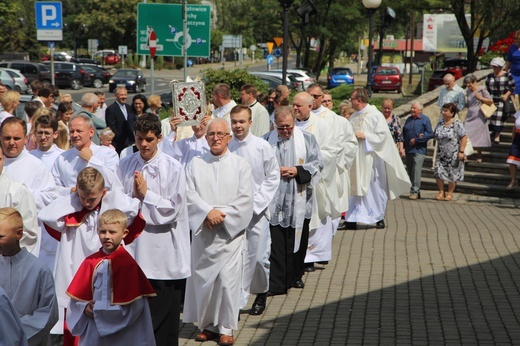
27	281
108	305
73	220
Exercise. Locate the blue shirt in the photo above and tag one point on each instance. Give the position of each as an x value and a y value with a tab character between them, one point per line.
413	127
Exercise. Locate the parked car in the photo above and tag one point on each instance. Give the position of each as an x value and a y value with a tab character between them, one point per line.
86	61
272	82
339	76
132	79
7	80
95	76
68	75
107	57
387	79
62	56
302	76
291	80
31	70
19	80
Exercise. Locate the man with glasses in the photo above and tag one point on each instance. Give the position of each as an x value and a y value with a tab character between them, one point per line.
266	178
300	164
378	173
220	205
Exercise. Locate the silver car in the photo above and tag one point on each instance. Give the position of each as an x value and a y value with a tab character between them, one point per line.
19	80
7	80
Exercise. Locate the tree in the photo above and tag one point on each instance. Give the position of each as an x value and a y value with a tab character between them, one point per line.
485	18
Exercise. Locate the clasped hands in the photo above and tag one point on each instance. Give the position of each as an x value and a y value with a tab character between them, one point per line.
214	218
288	172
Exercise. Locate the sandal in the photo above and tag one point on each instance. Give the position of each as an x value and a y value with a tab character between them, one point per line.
440	196
448	198
512	185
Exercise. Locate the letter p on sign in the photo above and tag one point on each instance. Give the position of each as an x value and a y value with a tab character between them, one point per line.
48	14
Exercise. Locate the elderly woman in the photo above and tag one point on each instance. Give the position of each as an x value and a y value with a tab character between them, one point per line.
139	104
345	109
451	141
394	124
154	104
476	123
417	131
500	85
10	100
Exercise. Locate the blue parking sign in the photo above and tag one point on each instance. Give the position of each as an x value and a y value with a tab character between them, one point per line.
48	15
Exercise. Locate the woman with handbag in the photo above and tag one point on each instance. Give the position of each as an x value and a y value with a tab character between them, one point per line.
451	142
500	86
476	122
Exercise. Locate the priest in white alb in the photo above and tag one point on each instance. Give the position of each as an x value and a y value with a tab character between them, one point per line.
378	173
223	102
260	116
266	178
220	206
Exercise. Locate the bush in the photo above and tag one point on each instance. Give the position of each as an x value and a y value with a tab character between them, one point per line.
235	79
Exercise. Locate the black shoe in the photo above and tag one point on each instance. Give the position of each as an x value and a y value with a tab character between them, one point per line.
380	224
351	225
259	304
309	267
298	284
323	262
342	226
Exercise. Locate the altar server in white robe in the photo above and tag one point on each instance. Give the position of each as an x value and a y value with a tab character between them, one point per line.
378	173
320	228
266	178
27	281
46	130
163	248
300	163
11	328
220	206
186	149
84	153
73	220
260	124
223	102
17	195
25	168
344	143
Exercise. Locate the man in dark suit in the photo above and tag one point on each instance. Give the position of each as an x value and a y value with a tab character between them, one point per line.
120	117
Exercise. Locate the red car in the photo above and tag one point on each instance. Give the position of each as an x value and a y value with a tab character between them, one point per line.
387	79
111	58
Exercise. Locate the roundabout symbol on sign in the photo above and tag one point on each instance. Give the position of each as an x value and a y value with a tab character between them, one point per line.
186	38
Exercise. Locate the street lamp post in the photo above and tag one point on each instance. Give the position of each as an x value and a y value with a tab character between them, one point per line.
371	6
285	4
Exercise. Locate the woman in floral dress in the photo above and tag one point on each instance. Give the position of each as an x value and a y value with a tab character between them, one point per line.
393	124
451	141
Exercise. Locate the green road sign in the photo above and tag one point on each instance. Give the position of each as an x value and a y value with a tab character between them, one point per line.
165	20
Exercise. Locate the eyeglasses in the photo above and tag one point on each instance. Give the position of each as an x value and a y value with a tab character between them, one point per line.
284	128
317	96
44	133
219	134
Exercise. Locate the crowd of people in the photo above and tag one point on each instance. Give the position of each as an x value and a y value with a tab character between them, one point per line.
114	224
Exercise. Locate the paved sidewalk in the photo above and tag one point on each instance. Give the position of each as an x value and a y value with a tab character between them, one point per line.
440	273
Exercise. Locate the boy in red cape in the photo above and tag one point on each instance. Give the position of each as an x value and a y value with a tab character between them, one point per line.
108	293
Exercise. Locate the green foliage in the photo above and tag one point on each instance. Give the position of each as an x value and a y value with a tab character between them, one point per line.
129	61
235	79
